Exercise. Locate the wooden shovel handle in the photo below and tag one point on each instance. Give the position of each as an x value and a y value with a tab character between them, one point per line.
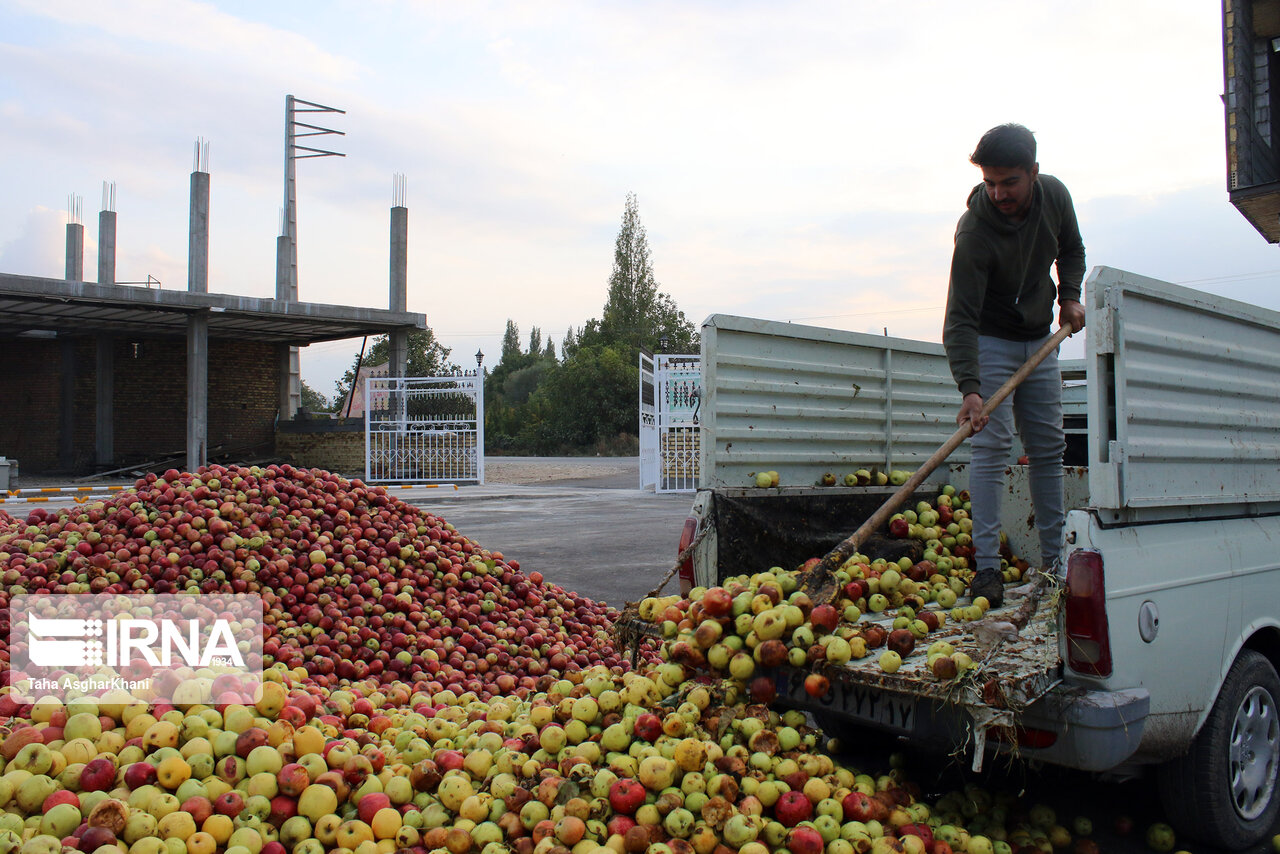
849	546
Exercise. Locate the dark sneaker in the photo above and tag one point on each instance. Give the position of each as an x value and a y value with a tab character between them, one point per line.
990	584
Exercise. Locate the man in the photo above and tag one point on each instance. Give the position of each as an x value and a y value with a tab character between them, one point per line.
1000	304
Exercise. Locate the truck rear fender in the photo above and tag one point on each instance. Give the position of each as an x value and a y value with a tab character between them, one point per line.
1085	628
687	535
698	567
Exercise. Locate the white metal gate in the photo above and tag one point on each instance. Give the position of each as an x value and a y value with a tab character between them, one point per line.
424	429
670	401
648	424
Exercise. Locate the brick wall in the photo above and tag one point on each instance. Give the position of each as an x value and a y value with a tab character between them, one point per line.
150	418
29	397
342	453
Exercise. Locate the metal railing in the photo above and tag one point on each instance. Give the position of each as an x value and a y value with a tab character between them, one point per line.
425	429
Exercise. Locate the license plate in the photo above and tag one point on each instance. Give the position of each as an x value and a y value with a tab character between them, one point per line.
888	711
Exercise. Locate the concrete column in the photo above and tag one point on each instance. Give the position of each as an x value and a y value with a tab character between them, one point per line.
282	268
399	340
290	357
198	244
67	401
105	409
197	391
106	247
75	252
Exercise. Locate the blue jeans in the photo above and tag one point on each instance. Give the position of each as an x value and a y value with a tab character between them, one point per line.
1035	410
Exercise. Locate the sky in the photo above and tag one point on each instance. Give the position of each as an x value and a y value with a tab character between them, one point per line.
800	161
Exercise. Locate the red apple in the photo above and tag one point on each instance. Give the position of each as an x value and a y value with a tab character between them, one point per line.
626	796
648	726
792	808
805	840
816	685
98	775
824	617
229	803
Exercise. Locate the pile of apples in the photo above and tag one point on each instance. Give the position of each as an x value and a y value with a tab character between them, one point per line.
355	583
584	757
597	764
765	620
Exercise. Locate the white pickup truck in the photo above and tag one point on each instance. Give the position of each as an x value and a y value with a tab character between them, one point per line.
1163	644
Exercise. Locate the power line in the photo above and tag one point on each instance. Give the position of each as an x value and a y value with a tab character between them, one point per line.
1236	278
865	313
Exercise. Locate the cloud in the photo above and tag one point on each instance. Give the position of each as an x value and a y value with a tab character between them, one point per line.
199	31
39	247
802	160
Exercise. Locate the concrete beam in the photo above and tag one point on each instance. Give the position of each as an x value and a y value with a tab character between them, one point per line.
197	391
45	303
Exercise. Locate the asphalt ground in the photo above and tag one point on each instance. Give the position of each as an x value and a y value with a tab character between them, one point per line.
599	536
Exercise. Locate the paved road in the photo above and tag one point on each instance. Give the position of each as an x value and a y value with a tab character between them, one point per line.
599	536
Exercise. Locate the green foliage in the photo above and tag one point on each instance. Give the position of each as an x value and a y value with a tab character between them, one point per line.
510	343
590	397
314	401
508	387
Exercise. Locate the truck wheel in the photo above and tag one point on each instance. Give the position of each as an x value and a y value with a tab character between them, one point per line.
1224	790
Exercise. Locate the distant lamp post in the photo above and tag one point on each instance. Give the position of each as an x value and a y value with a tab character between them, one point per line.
479	358
662	342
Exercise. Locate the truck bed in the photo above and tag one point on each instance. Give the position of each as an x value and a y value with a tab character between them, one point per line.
1009	676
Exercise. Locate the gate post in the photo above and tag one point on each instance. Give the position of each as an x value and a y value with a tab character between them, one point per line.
368	418
479	419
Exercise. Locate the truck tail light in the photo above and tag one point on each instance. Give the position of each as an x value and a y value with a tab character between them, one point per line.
687	535
1088	639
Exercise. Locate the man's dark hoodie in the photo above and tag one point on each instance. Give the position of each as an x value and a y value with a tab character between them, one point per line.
1000	283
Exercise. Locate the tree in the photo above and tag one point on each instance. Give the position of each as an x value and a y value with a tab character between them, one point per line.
312	400
510	342
427	357
587	400
510	384
636	313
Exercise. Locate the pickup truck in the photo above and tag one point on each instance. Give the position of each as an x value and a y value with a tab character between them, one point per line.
1159	645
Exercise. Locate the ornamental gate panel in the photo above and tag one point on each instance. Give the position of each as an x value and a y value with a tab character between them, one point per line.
424	429
648	424
670	401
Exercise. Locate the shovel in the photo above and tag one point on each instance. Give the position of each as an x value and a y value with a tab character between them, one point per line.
820	581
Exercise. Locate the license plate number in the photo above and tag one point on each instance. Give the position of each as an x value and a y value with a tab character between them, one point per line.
889	711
